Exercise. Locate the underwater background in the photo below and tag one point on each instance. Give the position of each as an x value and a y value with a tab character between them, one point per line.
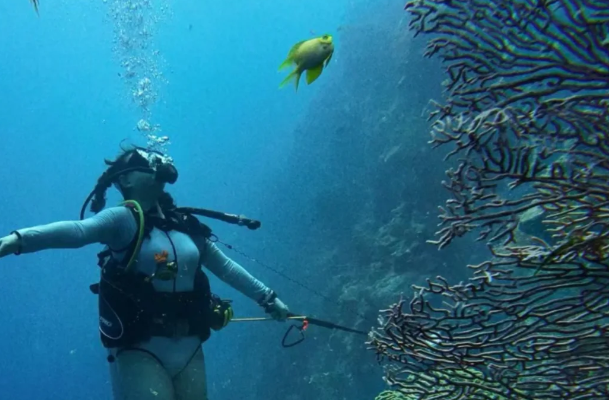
340	173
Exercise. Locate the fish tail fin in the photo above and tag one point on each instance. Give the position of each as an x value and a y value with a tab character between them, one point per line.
294	75
297	79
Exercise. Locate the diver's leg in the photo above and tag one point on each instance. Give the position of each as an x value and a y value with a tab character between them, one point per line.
191	382
138	375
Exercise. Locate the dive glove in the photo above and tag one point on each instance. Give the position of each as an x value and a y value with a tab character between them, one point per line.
221	313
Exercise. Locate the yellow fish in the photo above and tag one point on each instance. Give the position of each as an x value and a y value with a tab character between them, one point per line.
308	55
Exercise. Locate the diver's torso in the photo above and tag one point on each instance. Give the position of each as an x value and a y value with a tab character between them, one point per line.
177	248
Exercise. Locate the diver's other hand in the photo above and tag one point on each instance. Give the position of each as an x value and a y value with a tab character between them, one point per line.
9	245
272	305
278	310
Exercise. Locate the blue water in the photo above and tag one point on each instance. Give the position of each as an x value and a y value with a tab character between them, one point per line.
65	106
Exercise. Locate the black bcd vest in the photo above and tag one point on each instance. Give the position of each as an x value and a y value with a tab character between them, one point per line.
131	310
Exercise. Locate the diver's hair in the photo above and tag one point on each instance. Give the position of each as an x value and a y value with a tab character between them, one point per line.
103	183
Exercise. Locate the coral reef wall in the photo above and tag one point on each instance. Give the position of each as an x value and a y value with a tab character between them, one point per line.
527	117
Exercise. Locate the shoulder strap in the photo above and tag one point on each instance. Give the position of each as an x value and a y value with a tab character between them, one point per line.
179	220
132	248
194	227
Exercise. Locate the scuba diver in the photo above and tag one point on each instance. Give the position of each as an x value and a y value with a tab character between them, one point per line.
155	303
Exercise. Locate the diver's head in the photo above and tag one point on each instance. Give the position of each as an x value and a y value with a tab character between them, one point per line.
139	174
144	174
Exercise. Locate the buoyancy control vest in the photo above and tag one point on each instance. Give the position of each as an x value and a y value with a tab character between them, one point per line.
131	310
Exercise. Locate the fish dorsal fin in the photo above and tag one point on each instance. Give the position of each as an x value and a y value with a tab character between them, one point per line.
295	48
290	58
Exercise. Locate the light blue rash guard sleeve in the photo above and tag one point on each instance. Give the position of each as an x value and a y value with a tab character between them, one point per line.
114	227
231	272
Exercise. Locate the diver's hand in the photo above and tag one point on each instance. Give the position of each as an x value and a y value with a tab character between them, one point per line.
278	310
9	245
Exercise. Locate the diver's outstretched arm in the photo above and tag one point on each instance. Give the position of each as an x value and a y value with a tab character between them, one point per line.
237	276
114	227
